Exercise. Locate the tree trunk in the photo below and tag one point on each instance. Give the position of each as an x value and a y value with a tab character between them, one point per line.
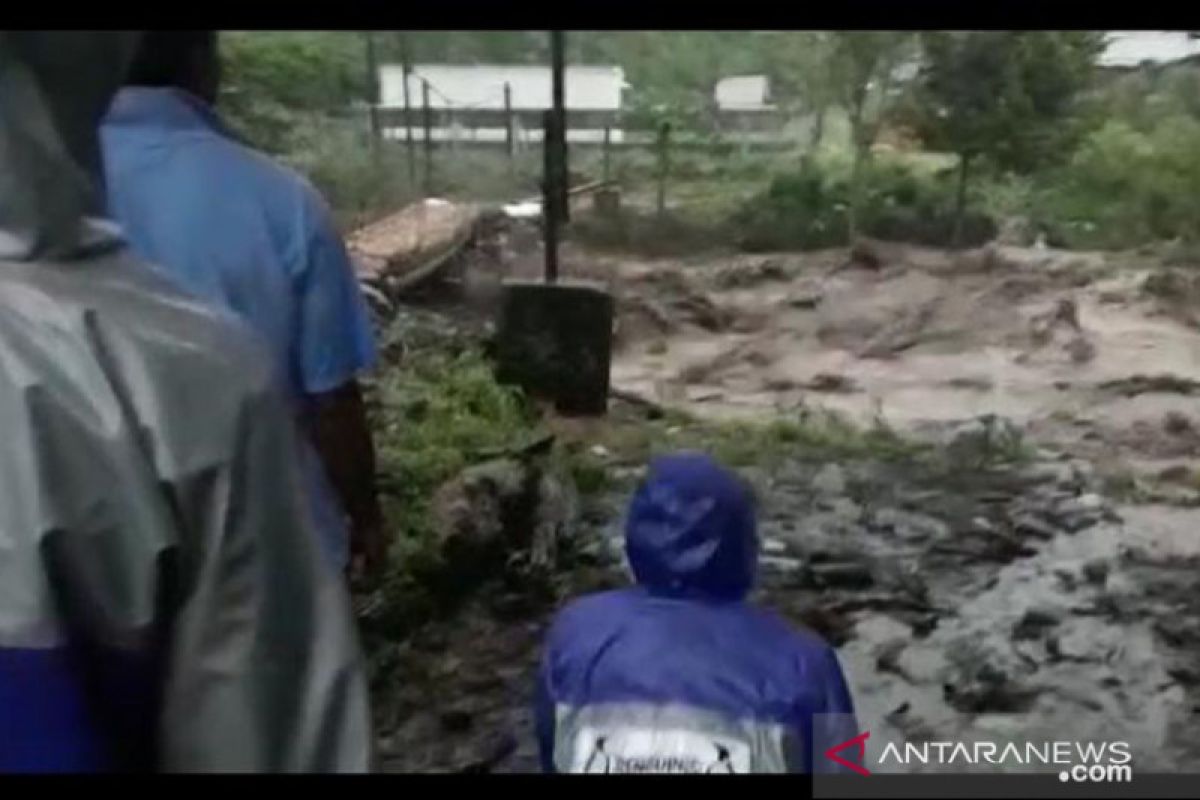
960	203
855	195
859	147
818	134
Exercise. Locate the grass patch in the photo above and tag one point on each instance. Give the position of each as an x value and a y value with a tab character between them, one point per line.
436	412
812	436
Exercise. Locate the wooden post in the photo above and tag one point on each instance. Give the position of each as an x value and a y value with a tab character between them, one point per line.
558	78
551	197
508	124
372	92
408	133
607	152
427	123
664	164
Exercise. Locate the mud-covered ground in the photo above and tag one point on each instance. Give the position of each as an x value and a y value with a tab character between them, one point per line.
1050	593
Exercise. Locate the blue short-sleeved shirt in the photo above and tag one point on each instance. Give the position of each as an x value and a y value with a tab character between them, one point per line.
246	233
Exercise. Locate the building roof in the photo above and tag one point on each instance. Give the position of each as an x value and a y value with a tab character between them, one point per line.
1129	49
590	88
742	92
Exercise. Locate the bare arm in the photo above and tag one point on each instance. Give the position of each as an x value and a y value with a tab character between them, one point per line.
339	429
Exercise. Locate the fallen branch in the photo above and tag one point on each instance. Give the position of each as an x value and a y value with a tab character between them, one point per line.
653	409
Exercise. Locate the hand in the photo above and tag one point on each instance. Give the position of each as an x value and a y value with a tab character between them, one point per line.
368	549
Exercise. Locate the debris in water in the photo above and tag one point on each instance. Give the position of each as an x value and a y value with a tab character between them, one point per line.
1096	571
1033	624
831	383
1151	384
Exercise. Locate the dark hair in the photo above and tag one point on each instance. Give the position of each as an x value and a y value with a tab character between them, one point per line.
170	58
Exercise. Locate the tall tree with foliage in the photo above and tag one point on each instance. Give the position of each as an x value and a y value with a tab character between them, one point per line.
800	67
1004	95
275	80
863	66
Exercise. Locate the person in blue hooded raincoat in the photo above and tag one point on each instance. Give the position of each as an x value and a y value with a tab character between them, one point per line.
679	673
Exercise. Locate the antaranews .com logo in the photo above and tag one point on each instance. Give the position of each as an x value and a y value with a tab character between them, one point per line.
1078	762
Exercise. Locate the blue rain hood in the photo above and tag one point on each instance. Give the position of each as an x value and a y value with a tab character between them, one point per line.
691	530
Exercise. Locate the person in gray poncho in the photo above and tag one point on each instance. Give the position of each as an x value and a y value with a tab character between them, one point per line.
164	604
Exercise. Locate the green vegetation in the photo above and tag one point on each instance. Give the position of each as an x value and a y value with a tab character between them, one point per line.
438	413
1002	95
810	207
1125	187
1031	130
862	65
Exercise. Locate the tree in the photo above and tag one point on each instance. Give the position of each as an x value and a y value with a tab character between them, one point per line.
863	66
799	65
1006	95
272	79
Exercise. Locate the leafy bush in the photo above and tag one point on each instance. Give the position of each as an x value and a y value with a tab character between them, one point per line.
807	208
439	412
272	78
799	209
1124	187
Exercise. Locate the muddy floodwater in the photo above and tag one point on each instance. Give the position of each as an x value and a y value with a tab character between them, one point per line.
1055	599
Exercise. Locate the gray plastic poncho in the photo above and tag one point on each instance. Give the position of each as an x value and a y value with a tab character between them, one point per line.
163	601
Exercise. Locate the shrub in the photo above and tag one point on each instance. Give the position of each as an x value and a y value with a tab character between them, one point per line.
806	208
797	210
1124	187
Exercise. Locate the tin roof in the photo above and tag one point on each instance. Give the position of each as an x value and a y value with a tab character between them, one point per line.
1126	49
742	91
591	88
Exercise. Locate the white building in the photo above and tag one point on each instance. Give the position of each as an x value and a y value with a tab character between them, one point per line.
743	93
1133	49
470	99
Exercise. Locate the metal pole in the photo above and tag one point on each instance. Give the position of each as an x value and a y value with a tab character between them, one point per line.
427	122
408	134
508	124
664	164
372	91
558	77
550	195
607	152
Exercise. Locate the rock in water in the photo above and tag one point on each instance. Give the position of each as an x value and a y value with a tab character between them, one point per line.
806	299
830	481
1177	424
1034	623
1031	525
866	254
1081	350
849	575
983	440
1096	571
830	382
737	276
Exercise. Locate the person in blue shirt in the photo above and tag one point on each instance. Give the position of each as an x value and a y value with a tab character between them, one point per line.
235	228
680	674
164	602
